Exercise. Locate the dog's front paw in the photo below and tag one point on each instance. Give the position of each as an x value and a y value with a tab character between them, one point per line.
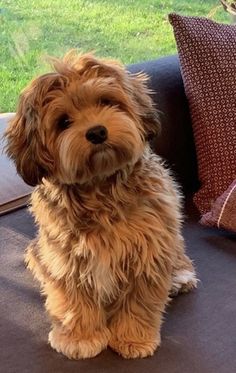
134	350
78	348
183	281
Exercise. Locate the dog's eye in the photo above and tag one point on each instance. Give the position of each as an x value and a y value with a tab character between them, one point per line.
63	122
104	101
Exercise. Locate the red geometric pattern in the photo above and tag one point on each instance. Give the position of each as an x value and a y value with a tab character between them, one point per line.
207	52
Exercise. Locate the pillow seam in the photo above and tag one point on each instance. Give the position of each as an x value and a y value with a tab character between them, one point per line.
224	205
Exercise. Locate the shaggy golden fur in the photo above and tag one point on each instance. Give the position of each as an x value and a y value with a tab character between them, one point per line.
109	250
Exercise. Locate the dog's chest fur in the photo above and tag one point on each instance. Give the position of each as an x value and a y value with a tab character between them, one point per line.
102	240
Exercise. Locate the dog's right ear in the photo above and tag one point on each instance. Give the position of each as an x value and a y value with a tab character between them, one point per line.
145	106
23	142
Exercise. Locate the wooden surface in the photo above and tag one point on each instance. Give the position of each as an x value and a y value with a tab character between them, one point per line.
14	192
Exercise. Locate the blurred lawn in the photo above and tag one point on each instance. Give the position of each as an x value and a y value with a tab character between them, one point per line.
130	30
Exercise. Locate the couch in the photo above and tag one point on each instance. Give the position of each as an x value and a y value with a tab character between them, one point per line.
199	332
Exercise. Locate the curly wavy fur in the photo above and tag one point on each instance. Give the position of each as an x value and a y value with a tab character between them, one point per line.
109	250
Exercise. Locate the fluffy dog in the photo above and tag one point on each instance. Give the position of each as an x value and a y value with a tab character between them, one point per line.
109	250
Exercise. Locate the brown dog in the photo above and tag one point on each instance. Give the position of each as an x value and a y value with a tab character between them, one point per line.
109	250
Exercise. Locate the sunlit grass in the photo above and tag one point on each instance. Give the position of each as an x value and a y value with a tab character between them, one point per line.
130	30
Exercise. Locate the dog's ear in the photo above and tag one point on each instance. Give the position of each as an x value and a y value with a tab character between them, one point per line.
145	105
23	141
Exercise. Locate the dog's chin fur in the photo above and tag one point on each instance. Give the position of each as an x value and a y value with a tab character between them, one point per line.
109	252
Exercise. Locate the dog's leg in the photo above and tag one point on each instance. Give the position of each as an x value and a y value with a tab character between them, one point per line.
135	327
184	275
33	263
79	325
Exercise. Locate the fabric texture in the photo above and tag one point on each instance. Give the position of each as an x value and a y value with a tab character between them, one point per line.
208	63
223	211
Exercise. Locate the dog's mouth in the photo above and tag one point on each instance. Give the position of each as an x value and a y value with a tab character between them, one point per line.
106	157
100	153
100	148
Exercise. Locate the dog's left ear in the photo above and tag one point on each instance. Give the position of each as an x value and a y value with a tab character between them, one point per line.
145	106
23	143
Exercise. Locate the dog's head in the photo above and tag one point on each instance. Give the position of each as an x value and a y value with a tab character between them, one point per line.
88	118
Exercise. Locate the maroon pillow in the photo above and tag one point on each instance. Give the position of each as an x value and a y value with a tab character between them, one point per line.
207	52
223	211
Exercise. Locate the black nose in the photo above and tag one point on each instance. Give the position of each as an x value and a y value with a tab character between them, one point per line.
97	134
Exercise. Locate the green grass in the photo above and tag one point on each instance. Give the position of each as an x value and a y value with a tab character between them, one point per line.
134	30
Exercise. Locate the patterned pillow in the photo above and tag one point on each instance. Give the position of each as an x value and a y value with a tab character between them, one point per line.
207	52
223	211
